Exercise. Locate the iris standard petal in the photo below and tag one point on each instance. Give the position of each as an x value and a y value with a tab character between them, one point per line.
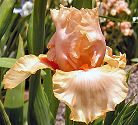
113	60
23	68
90	93
78	38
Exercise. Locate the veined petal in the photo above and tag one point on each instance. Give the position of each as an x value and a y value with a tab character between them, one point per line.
23	68
113	60
91	93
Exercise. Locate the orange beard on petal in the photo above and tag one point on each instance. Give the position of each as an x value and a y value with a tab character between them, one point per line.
84	67
51	63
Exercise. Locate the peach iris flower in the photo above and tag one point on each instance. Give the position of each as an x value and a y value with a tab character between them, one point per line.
88	77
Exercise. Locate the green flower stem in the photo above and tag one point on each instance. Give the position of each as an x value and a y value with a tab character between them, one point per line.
48	89
38	112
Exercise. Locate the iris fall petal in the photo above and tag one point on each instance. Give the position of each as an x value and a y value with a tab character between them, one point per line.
22	69
91	93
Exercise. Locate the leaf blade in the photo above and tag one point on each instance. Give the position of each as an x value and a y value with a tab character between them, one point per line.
14	104
4	119
5	15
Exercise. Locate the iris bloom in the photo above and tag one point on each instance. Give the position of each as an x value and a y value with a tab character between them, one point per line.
27	7
88	77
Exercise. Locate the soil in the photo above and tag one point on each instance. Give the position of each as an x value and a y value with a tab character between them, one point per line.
133	86
60	118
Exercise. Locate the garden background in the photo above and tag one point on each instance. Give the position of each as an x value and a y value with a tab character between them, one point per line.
25	30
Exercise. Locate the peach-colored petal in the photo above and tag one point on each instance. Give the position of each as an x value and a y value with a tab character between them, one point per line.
115	61
91	93
78	38
22	69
